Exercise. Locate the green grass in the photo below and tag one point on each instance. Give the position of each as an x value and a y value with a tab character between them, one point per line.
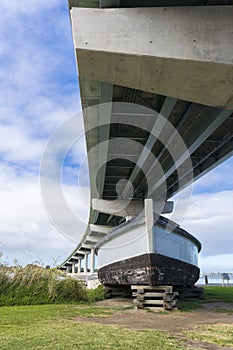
211	295
189	305
60	327
218	294
54	327
221	334
216	334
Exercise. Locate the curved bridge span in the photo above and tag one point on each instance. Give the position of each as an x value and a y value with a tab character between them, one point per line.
156	87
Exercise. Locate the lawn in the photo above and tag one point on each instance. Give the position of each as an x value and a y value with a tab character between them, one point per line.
58	327
54	327
211	295
221	334
218	294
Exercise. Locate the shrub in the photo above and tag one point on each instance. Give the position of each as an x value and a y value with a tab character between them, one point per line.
66	290
33	284
96	294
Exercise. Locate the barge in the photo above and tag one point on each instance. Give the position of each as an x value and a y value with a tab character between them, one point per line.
148	250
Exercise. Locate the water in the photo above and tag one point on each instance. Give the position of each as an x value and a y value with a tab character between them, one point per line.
215	280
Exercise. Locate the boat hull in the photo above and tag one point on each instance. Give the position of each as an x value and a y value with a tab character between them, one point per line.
149	269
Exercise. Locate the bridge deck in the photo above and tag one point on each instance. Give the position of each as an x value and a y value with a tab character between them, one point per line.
131	153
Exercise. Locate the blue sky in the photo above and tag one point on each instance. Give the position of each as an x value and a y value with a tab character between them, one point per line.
38	92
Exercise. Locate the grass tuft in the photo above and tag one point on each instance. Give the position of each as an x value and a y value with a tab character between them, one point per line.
221	334
34	285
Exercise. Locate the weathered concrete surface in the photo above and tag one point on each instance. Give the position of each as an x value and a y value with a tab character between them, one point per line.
182	52
149	269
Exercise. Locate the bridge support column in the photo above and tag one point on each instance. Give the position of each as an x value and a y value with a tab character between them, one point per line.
73	268
79	266
68	270
92	261
85	263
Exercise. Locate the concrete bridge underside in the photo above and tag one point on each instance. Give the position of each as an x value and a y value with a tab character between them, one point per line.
175	61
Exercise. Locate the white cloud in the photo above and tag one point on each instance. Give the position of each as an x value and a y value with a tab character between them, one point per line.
38	80
18	146
38	88
38	92
25	227
217	263
209	218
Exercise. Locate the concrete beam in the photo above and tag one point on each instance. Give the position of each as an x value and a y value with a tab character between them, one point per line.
74	259
118	207
126	208
204	127
84	3
183	52
98	115
101	229
94	239
105	109
158	127
80	252
87	246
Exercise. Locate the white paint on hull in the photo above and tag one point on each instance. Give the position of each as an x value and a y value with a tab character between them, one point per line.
140	239
127	245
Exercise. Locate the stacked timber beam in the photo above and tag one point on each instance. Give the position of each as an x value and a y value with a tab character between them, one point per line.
117	291
155	298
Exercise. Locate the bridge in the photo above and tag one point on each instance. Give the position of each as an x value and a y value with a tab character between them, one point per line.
156	80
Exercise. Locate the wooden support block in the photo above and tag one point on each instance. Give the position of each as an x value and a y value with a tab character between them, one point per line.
169	305
155	309
153	302
117	291
140	291
138	304
140	298
168	298
153	295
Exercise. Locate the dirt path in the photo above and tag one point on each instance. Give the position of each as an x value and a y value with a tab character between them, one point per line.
175	323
